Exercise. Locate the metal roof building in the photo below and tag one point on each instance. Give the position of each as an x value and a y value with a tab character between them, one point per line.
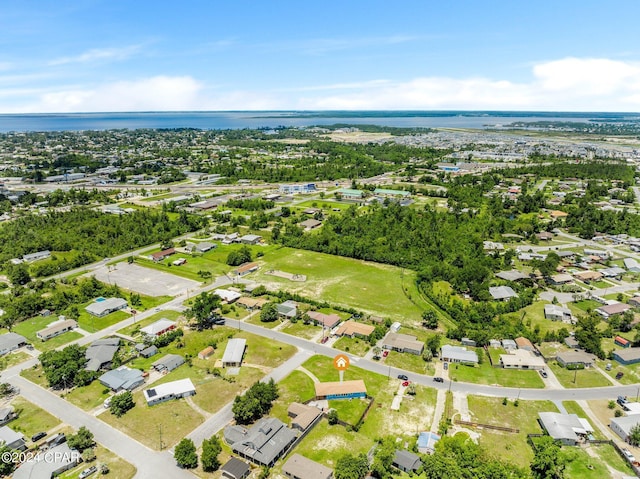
168	363
299	467
121	379
234	352
266	441
566	428
457	354
173	390
11	341
109	305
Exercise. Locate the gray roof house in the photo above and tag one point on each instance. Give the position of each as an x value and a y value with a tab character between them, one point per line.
622	425
148	352
204	246
566	428
56	328
168	363
57	460
36	256
250	239
12	439
7	414
121	379
10	342
457	354
299	467
402	343
234	352
234	468
513	275
502	293
288	309
267	440
406	461
109	305
100	353
556	312
575	358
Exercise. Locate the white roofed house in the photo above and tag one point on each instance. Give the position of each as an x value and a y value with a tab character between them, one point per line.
56	328
502	293
106	306
521	359
227	296
159	327
11	341
557	313
234	352
457	354
167	391
569	429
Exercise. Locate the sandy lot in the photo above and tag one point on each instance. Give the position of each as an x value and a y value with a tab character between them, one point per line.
144	280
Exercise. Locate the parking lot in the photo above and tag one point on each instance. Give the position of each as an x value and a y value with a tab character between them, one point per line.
144	280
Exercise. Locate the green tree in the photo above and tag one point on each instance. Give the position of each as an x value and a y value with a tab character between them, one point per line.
548	462
211	449
185	454
429	319
18	274
634	435
383	459
203	309
269	313
351	467
433	343
240	256
588	334
121	403
255	403
6	466
82	440
332	417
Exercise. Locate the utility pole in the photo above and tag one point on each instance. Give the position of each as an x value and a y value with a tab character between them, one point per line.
160	434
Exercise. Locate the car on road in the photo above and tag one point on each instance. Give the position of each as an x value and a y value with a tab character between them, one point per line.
543	373
404	377
438	379
37	436
385	354
87	472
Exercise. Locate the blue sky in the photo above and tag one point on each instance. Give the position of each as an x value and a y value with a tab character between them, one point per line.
248	55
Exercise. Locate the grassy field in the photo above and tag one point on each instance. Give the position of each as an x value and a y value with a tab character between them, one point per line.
586	305
35	375
170	420
535	317
631	371
512	447
301	330
486	374
92	324
118	467
356	346
410	362
88	397
31	419
584	378
12	359
30	327
297	387
370	287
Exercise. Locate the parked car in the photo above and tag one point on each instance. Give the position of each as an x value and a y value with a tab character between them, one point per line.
543	373
628	455
87	472
619	375
446	365
622	400
107	402
438	379
406	384
37	436
404	377
385	353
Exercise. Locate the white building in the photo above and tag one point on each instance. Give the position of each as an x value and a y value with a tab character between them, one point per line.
174	390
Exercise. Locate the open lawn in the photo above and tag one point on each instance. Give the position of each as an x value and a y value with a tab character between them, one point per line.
580	465
508	446
631	372
12	359
356	346
255	319
296	387
611	457
587	305
30	327
487	374
301	330
169	421
31	419
535	317
371	287
584	378
35	375
118	467
88	397
92	324
409	362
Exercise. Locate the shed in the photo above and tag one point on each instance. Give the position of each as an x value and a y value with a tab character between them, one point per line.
299	467
206	352
234	468
168	363
406	461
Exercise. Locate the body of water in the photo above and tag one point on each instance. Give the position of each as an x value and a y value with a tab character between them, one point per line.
239	120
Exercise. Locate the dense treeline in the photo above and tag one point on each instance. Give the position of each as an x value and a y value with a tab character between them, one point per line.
581	169
585	220
250	204
93	232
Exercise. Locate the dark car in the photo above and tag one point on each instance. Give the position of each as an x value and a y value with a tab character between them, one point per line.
37	436
404	377
619	375
543	373
438	380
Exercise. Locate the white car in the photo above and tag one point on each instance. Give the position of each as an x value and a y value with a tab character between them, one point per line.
629	456
87	472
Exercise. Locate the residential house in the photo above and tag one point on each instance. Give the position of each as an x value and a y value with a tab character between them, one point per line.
227	295
246	268
122	379
204	246
146	351
168	363
250	239
544	236
354	329
53	463
569	429
502	293
56	328
341	390
524	343
158	328
509	344
299	467
100	353
251	303
468	342
37	256
303	416
325	320
406	461
12	439
288	309
7	414
634	302
623	425
402	343
513	275
173	390
556	312
632	265
572	359
521	359
234	468
588	276
160	255
263	444
234	352
627	356
562	278
457	354
102	307
310	224
614	272
609	310
10	342
572	342
179	262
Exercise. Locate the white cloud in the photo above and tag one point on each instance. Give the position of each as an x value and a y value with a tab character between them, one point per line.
98	54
